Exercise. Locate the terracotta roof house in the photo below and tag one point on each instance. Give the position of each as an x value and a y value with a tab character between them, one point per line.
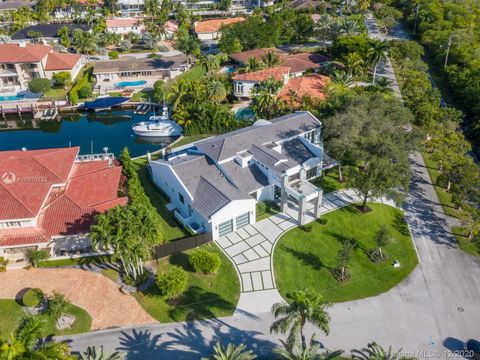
49	198
312	85
123	26
19	63
214	184
242	57
208	29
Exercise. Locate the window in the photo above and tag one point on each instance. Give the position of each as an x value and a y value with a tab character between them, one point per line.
239	88
311	173
242	220
180	197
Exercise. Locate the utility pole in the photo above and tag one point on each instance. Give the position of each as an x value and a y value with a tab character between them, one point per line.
448	50
416	18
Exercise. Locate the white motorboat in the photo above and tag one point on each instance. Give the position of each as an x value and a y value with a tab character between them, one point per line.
158	126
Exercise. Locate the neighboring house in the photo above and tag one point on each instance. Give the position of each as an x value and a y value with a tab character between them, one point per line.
210	7
241	58
214	184
77	9
22	62
48	32
124	26
108	71
209	29
170	29
49	198
244	84
129	8
311	85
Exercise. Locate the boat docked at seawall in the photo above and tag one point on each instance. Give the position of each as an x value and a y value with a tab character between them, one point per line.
158	126
105	103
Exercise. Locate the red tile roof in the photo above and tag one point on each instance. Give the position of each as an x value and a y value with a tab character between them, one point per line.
16	53
312	85
214	25
302	62
60	61
276	73
243	56
122	22
171	26
91	187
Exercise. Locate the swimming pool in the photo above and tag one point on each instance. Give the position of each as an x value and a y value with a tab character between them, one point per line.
131	83
11	97
245	113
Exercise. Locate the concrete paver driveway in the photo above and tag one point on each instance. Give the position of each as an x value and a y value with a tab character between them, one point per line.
95	293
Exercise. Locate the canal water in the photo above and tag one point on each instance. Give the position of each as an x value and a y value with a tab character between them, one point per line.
91	131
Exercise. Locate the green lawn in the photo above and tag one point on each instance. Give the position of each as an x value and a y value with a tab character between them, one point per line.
464	242
194	73
143	95
75	261
444	197
112	274
329	181
11	312
190	139
261	214
207	296
171	228
314	254
55	94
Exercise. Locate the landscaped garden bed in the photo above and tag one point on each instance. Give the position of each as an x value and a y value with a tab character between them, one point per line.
314	254
206	295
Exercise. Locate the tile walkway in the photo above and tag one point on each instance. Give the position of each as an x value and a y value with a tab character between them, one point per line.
251	247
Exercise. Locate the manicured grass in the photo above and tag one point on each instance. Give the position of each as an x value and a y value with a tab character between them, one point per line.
329	181
464	242
112	274
207	296
11	312
143	95
190	139
314	254
444	197
171	228
75	261
55	94
32	297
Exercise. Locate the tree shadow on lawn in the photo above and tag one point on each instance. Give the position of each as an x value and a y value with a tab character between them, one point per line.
307	258
343	238
198	304
400	224
181	259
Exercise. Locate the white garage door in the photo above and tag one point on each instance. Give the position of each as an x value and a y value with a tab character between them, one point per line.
225	227
242	220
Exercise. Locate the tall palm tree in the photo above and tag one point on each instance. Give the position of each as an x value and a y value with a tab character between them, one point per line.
215	90
271	59
305	306
377	52
21	18
342	78
353	62
93	354
84	42
312	352
373	351
209	62
253	64
323	27
26	343
232	352
349	27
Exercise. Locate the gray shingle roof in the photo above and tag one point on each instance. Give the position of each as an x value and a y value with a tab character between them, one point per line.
296	151
270	158
127	64
226	146
247	179
210	190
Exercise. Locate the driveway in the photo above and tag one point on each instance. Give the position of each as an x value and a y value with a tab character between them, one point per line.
95	293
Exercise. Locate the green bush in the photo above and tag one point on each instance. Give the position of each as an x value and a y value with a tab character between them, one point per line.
57	305
113	54
261	208
172	283
33	297
85	92
3	264
39	85
306	228
322	221
204	261
73	97
62	78
37	256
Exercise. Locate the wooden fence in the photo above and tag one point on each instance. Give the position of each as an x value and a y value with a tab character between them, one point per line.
177	246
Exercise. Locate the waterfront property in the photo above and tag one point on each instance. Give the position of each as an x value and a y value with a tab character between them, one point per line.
214	184
46	33
49	199
209	29
11	5
109	72
124	26
22	62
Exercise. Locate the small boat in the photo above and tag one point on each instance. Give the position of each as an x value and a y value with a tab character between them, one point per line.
105	103
158	126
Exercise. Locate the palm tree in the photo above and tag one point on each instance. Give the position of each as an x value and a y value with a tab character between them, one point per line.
151	8
349	27
342	78
353	62
84	42
232	352
209	62
271	59
373	351
323	27
312	352
21	18
93	354
305	306
215	90
377	52
109	38
26	343
253	64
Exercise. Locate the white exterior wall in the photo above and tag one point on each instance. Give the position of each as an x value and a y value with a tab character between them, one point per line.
231	211
266	194
73	72
124	30
247	88
207	36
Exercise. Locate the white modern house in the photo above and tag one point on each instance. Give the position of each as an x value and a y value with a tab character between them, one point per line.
124	26
213	185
